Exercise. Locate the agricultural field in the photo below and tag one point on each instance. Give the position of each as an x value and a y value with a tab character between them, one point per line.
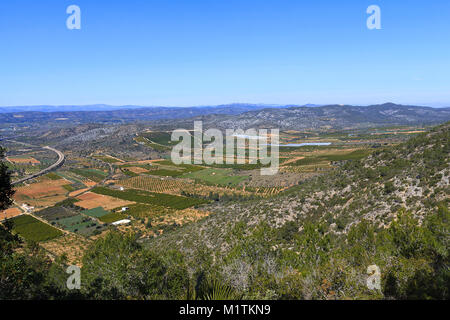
90	173
23	160
221	177
157	140
159	185
183	187
32	229
141	211
91	200
83	222
137	170
74	179
164	168
10	213
82	225
44	193
53	214
95	213
141	196
112	217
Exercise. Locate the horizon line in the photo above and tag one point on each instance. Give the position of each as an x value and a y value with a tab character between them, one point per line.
429	105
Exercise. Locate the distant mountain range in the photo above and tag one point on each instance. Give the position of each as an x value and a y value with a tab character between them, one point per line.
331	116
233	108
234	115
116	114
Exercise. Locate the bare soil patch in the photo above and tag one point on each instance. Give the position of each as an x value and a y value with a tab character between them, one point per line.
10	213
92	200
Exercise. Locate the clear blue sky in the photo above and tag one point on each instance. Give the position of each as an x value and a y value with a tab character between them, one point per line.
199	52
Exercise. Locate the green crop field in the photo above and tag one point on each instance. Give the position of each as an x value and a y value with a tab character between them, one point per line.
96	212
69	187
140	210
80	224
112	217
212	176
129	173
32	229
92	174
163	138
152	145
159	199
309	160
70	223
53	176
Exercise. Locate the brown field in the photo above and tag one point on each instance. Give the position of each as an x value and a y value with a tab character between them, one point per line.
89	183
89	196
137	170
77	192
10	213
41	194
46	201
23	160
45	188
92	200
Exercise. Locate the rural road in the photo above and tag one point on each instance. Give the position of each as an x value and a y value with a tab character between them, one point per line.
57	164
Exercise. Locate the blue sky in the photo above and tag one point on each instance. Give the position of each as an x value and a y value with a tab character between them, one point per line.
205	52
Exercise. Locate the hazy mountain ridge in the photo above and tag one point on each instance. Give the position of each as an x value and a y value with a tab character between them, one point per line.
247	116
332	116
112	114
104	107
